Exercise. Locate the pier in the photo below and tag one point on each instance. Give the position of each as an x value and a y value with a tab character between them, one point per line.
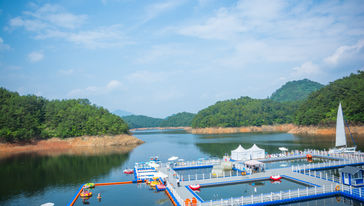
322	185
319	184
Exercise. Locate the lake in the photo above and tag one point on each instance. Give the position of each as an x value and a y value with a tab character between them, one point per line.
32	179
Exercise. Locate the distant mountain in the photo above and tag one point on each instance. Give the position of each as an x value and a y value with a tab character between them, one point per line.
245	111
182	119
321	106
295	90
121	113
141	121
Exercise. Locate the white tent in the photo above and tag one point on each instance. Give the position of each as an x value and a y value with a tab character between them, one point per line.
256	152
240	154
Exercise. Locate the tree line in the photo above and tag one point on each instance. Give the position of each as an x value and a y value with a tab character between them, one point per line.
182	119
319	108
30	116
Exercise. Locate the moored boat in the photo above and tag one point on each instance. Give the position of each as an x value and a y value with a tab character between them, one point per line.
195	187
128	171
340	142
160	187
275	177
86	193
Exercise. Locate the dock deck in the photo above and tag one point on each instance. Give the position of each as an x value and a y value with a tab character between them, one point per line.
321	184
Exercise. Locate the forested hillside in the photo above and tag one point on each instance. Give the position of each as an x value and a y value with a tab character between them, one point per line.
141	121
27	117
245	111
321	106
295	90
182	119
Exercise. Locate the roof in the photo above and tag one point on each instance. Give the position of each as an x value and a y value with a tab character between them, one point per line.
239	149
253	162
255	148
350	170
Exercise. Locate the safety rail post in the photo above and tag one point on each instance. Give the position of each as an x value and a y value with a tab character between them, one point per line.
289	193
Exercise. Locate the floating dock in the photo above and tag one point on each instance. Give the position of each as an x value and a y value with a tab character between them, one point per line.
320	184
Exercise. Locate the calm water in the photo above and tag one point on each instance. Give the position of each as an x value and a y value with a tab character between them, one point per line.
247	189
33	180
289	163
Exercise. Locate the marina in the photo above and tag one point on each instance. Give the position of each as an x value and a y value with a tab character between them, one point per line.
298	183
254	177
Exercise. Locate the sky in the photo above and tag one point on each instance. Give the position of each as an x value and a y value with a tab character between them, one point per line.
158	58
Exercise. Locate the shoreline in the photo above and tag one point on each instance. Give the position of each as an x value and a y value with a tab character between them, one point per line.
76	145
285	128
188	129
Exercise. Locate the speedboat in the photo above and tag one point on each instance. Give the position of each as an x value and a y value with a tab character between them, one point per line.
128	171
275	177
195	187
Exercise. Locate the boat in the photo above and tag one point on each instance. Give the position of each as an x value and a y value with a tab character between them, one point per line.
275	177
154	184
89	185
340	143
160	187
195	187
128	171
86	193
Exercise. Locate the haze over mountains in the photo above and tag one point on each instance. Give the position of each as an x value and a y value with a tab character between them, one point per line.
303	102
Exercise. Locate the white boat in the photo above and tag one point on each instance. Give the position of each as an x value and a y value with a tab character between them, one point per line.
340	143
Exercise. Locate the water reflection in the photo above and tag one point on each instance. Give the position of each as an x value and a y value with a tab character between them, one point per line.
29	174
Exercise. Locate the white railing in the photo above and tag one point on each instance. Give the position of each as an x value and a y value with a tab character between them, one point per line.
356	155
204	176
196	163
311	166
282	195
322	175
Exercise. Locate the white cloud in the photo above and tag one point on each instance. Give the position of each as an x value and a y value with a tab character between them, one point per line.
344	51
103	37
51	16
52	21
154	10
306	69
111	86
66	71
223	26
146	76
3	46
35	56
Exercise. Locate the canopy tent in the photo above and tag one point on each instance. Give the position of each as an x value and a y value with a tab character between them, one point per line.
283	149
173	158
240	154
256	152
252	163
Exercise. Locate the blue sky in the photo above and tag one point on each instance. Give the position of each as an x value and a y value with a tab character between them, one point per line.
162	57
